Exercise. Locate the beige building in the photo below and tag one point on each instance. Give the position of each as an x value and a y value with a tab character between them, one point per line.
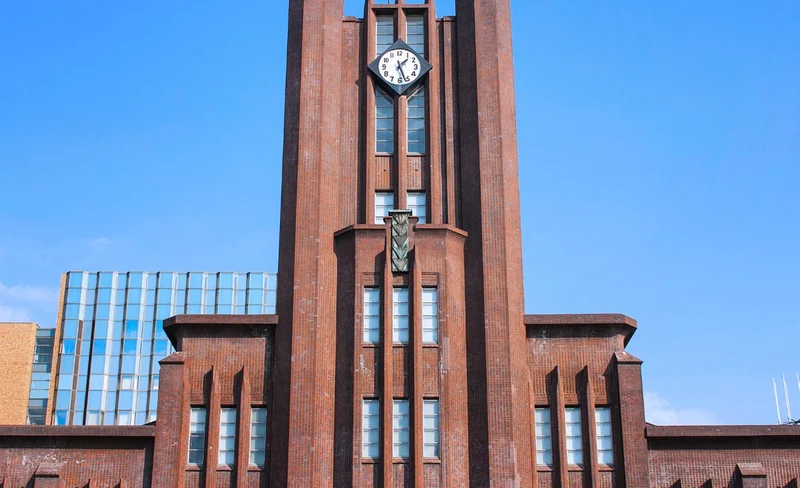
17	343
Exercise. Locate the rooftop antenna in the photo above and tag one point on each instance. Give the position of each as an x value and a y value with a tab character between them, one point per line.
788	405
777	404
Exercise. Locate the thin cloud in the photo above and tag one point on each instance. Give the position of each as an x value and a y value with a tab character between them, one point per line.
100	242
659	411
14	314
25	293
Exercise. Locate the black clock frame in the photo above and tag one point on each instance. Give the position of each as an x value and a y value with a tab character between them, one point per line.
424	67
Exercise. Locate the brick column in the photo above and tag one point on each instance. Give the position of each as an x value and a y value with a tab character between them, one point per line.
634	468
499	410
302	438
172	428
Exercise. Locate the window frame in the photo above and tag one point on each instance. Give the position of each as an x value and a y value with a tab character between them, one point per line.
420	211
426	415
223	436
420	93
599	435
574	456
255	422
384	101
400	335
401	429
543	435
369	333
433	317
195	433
366	444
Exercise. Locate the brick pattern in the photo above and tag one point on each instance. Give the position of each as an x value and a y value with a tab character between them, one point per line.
492	365
719	456
16	362
73	456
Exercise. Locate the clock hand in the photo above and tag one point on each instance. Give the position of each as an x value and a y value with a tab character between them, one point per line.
400	68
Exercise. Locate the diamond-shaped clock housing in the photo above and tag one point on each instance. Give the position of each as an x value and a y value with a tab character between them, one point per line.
399	61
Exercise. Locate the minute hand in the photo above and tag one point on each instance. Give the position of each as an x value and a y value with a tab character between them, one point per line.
400	67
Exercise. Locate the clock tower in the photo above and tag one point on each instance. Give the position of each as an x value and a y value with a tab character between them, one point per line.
400	351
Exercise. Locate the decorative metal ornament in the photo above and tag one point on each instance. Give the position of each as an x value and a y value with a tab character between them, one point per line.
400	240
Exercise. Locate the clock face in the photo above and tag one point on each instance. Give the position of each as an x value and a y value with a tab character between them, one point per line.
399	67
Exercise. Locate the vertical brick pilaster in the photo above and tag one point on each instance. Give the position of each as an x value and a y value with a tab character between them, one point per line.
243	402
436	194
401	161
591	476
559	430
172	428
213	416
387	363
417	392
304	374
532	408
634	467
489	174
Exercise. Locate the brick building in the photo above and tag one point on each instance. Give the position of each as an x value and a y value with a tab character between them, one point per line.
400	354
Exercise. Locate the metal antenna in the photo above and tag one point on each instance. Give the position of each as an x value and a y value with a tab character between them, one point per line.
777	404
788	405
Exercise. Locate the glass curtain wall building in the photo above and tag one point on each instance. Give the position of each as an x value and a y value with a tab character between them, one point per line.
40	379
112	338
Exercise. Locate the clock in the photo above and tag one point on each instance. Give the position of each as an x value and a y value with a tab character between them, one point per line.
400	67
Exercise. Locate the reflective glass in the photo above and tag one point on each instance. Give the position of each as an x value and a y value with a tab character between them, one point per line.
74	295
75	280
104	295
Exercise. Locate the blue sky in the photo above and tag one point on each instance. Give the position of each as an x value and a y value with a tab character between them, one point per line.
659	160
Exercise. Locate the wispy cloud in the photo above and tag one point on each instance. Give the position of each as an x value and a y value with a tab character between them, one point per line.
13	314
100	242
25	293
24	303
660	411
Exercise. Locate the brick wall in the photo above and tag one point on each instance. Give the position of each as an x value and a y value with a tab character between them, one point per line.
75	455
708	456
16	362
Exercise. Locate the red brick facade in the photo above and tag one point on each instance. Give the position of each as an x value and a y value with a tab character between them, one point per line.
490	368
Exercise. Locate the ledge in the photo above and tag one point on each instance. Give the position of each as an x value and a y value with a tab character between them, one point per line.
60	431
176	325
417	228
584	320
729	431
226	320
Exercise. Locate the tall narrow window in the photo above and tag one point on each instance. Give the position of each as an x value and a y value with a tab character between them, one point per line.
197	436
401	423
384	122
372	315
430	428
415	33
227	436
430	315
417	205
605	444
400	315
416	121
258	436
384	33
371	429
572	417
384	201
544	438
